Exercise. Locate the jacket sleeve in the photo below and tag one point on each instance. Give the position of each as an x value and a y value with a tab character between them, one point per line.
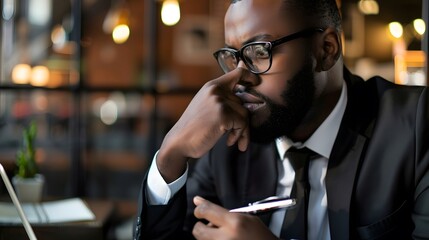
175	220
160	221
220	176
420	213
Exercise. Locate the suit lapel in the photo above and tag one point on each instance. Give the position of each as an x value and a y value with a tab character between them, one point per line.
340	178
261	180
347	153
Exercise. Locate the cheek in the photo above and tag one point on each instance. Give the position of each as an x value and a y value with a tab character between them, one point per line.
283	68
272	87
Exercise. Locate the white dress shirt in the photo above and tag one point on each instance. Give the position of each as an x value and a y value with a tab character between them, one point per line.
321	142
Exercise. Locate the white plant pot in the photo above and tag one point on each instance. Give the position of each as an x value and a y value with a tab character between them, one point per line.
29	189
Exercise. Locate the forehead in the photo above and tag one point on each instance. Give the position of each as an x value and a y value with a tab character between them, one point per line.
249	18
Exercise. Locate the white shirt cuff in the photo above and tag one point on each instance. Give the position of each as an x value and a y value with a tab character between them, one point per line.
158	191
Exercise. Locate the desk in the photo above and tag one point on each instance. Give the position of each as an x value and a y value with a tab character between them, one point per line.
91	230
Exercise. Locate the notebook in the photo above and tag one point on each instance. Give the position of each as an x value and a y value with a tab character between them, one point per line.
60	211
67	210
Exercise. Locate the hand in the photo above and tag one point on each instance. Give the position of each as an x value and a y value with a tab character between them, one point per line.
214	111
226	225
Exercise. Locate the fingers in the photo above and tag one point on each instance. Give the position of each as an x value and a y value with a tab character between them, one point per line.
226	225
217	111
211	212
236	126
239	136
244	140
230	79
205	232
235	117
207	210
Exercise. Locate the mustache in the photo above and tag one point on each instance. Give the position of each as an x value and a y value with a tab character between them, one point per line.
244	89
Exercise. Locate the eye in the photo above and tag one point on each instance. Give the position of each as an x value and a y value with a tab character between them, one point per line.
227	55
257	51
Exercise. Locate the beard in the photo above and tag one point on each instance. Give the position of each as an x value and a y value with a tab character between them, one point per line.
284	118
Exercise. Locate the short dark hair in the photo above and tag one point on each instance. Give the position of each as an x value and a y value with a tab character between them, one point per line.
325	12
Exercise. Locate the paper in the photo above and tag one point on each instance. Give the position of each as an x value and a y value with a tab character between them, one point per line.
67	210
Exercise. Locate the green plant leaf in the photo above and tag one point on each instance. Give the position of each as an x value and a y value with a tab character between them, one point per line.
26	156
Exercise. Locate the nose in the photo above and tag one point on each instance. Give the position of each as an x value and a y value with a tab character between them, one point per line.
248	79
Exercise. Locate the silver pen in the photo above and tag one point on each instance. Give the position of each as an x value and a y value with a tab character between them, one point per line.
267	204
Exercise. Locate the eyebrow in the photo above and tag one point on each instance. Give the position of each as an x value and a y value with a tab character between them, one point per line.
261	37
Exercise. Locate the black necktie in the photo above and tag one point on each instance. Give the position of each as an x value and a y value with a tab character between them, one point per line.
295	221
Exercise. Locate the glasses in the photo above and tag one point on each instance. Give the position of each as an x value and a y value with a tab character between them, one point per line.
257	56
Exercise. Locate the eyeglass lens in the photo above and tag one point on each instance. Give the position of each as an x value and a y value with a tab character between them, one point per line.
227	60
255	56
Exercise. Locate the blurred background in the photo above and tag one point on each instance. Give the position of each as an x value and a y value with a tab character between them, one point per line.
105	80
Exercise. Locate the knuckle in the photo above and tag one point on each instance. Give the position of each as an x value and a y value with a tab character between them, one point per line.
237	221
217	97
240	222
220	100
196	231
211	89
200	210
210	84
214	85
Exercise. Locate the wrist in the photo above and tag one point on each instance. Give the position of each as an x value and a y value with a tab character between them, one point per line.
171	163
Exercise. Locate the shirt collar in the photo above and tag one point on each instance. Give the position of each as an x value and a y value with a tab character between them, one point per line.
322	140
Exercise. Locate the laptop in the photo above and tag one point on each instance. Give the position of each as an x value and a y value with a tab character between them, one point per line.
12	194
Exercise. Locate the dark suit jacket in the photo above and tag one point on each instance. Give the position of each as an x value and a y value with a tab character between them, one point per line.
377	179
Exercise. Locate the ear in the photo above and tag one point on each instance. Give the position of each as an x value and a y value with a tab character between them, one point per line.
327	49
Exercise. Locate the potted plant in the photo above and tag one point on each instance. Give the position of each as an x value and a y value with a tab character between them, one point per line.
27	180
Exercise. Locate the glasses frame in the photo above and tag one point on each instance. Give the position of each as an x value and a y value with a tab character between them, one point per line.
238	54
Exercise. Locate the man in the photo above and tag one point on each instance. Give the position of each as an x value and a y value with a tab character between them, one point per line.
285	88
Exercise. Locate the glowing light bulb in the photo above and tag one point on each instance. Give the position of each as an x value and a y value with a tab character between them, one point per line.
21	74
39	76
170	12
58	35
419	26
368	7
109	112
121	33
396	29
